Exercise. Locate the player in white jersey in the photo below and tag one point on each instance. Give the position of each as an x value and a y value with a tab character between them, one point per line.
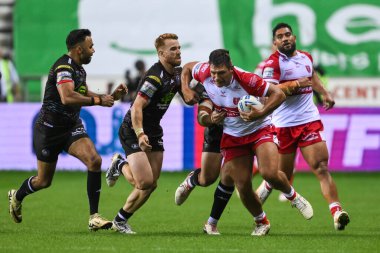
297	120
244	134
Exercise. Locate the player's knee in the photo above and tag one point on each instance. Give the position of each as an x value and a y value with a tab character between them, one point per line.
244	190
41	184
269	174
321	168
95	163
145	184
207	180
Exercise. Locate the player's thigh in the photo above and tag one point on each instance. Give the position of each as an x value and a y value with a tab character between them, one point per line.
240	169
48	142
267	157
84	150
286	163
315	154
141	169
155	159
210	168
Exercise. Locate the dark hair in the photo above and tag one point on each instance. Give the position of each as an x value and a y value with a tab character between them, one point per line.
140	65
76	36
279	26
220	57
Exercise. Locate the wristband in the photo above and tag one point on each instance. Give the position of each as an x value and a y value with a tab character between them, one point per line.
100	100
92	101
139	132
201	117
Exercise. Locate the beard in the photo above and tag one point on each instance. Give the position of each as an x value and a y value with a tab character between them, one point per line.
288	51
85	59
175	62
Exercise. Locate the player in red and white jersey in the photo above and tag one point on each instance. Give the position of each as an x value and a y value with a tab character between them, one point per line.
297	120
244	135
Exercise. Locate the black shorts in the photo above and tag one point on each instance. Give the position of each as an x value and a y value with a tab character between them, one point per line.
212	137
49	142
130	143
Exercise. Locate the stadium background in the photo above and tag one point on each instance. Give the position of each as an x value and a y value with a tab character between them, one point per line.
343	37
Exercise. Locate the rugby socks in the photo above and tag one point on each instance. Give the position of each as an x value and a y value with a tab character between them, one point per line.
222	195
335	206
194	178
122	215
94	186
25	189
119	164
291	195
261	218
268	186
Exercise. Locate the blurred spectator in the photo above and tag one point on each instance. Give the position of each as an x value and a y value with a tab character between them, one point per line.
109	87
324	78
9	83
132	83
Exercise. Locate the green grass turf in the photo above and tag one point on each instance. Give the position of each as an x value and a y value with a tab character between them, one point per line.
55	219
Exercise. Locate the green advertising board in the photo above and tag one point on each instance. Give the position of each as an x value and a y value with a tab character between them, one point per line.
342	35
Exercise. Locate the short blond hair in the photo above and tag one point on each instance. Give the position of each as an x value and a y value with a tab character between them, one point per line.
160	41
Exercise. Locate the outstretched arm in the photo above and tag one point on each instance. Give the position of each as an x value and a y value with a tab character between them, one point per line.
71	97
291	86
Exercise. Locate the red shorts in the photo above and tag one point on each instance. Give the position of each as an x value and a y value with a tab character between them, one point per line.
233	147
290	138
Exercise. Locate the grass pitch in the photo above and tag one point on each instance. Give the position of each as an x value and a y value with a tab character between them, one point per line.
55	219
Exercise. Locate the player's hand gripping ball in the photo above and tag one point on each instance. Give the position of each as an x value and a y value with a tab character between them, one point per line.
247	101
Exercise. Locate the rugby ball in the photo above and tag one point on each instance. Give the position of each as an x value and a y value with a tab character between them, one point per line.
247	101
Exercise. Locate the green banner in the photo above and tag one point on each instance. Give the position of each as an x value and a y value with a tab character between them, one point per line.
342	35
40	30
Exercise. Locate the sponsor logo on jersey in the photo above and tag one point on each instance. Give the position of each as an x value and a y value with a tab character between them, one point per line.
167	98
288	72
63	75
135	146
148	89
253	80
268	73
196	68
45	152
82	90
311	137
204	67
48	125
78	131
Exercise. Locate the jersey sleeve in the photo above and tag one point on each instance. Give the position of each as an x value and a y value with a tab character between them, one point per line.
151	84
64	74
252	83
271	69
308	55
201	71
